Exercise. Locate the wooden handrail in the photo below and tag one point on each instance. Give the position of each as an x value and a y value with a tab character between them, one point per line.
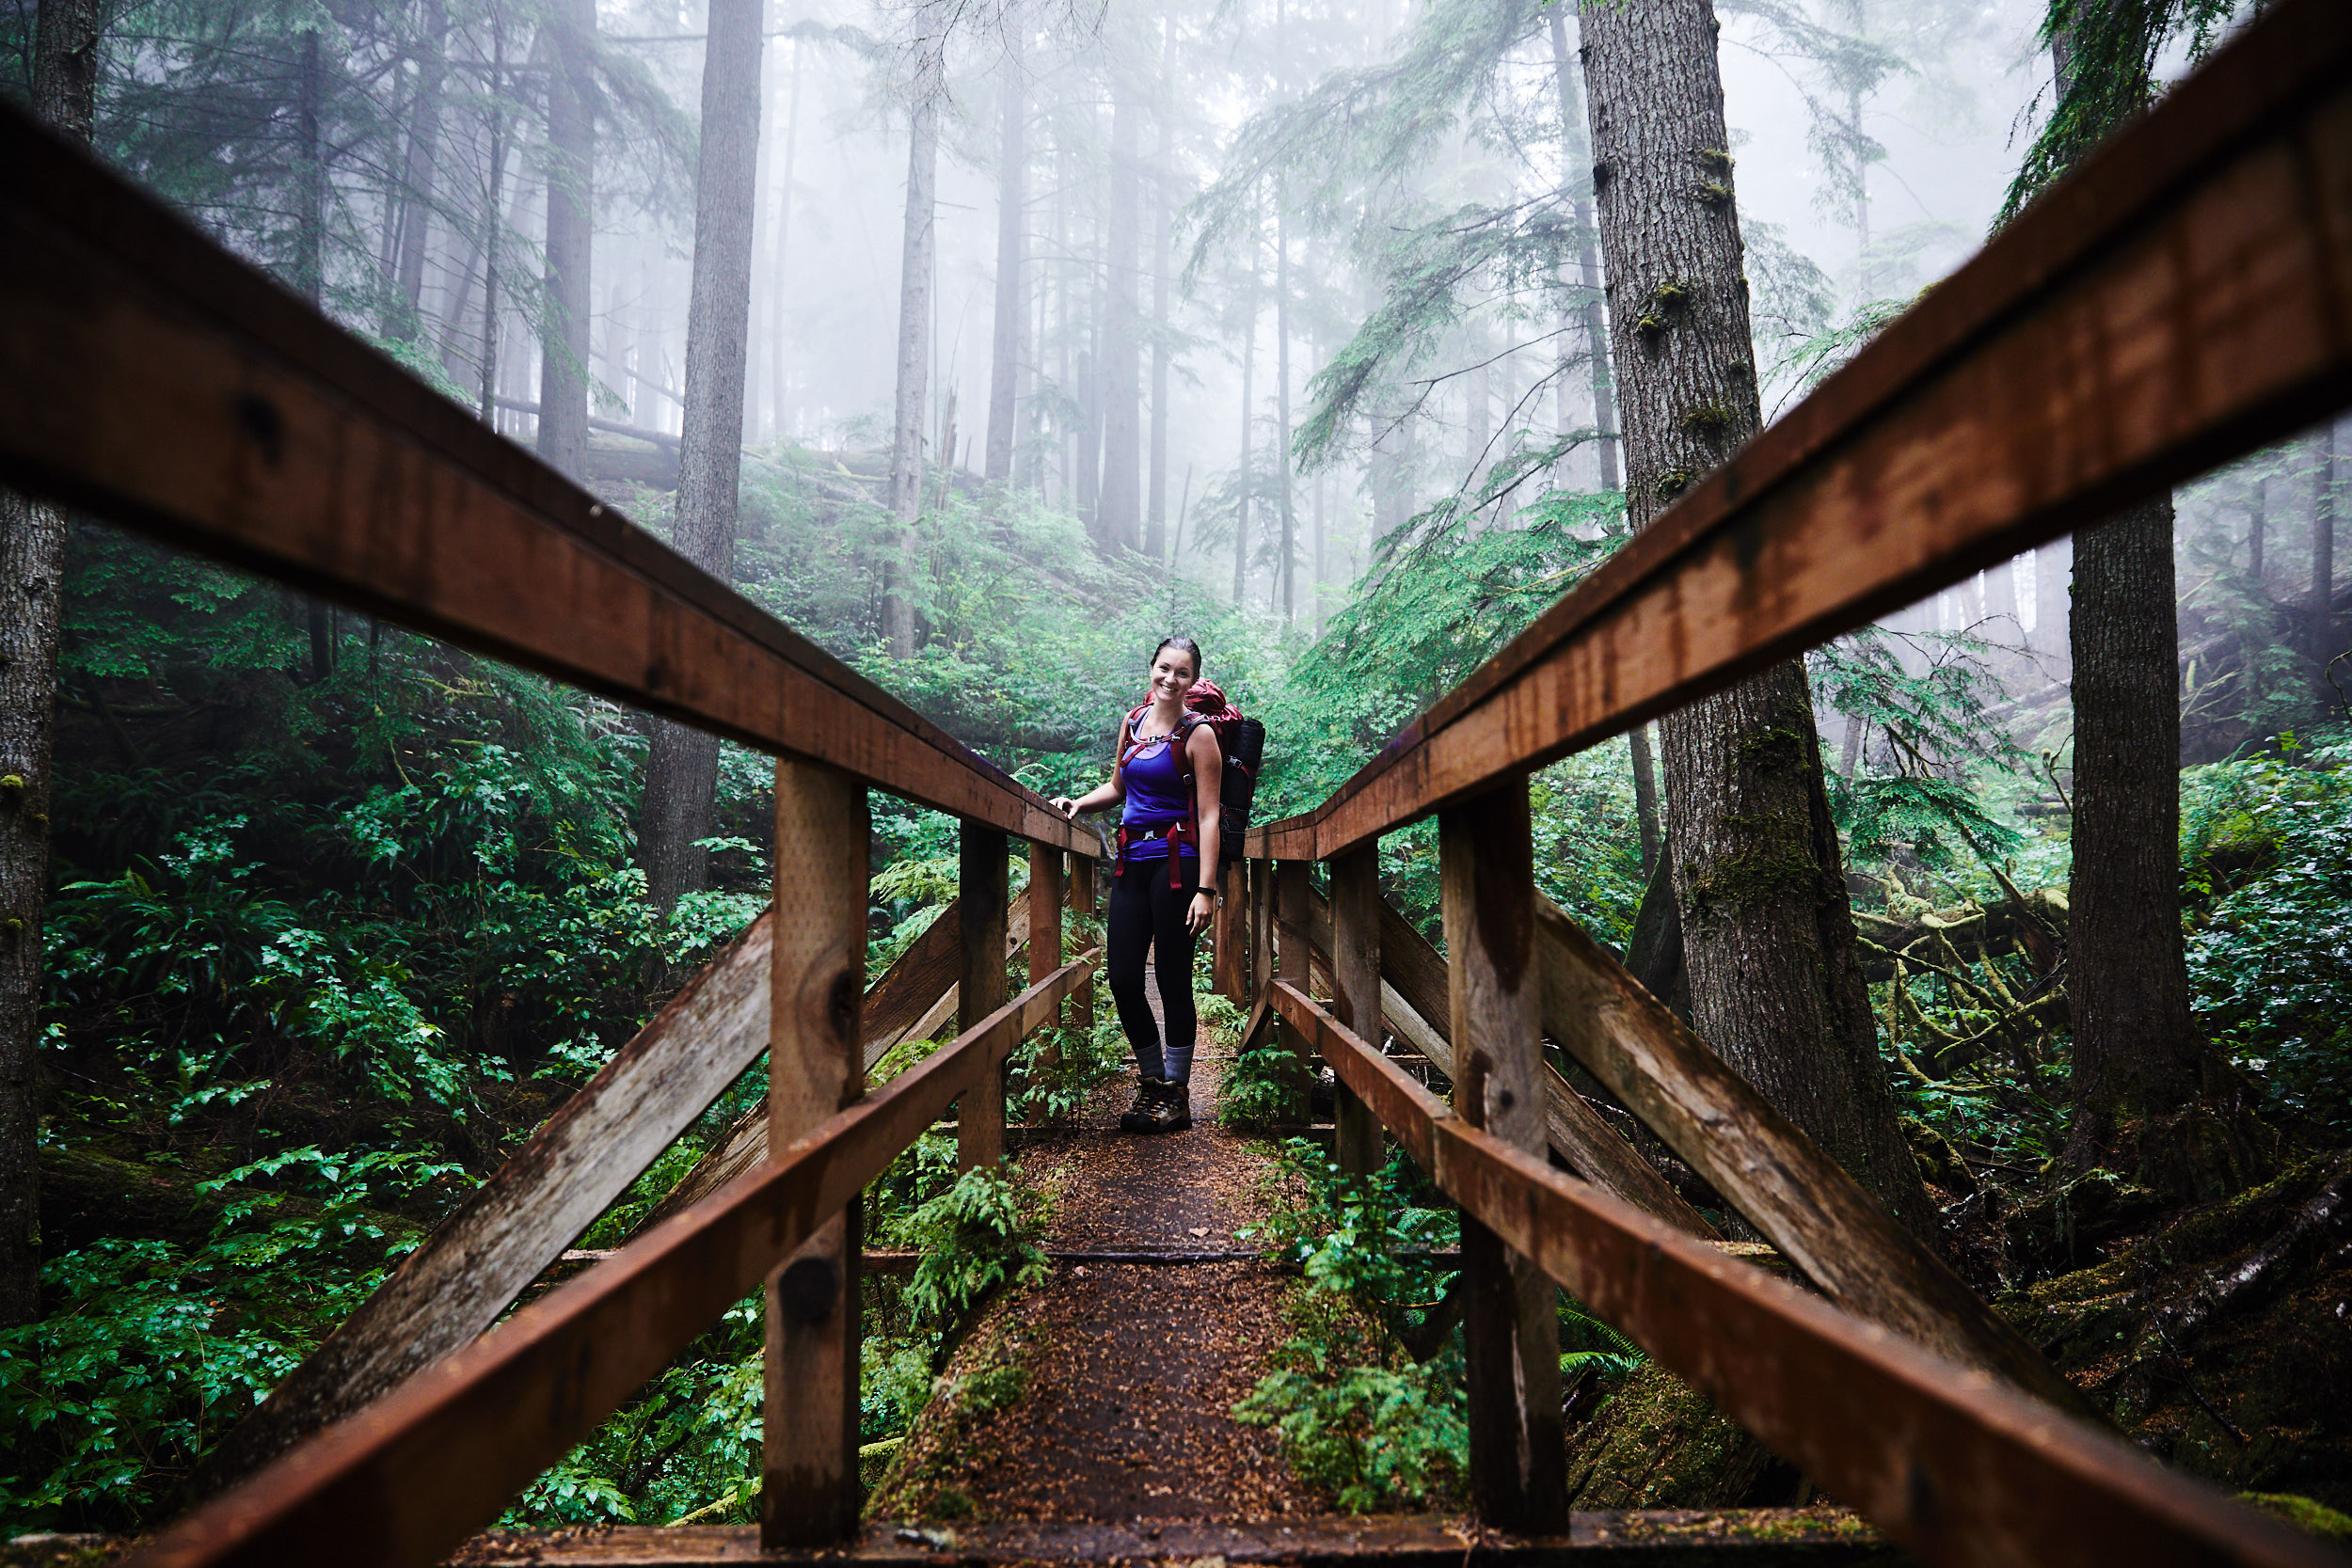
2183	297
1942	1458
154	379
405	1481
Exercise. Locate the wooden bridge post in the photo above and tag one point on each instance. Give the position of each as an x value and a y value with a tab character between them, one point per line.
1293	904
1518	1457
809	1490
1260	945
980	887
1046	901
1082	902
1231	968
1357	1139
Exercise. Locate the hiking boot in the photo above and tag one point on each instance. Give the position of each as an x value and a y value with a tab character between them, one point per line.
1170	1107
1137	1117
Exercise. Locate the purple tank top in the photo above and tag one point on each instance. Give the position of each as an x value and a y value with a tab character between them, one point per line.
1156	794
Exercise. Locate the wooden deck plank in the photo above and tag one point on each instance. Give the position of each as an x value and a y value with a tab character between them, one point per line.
1756	1538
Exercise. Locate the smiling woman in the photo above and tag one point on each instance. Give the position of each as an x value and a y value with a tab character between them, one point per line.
1169	770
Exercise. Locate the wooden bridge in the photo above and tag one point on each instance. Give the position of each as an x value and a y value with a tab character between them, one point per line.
2183	298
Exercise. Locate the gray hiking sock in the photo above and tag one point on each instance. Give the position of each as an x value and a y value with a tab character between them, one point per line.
1179	1062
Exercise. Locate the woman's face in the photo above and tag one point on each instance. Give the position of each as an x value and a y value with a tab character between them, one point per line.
1172	675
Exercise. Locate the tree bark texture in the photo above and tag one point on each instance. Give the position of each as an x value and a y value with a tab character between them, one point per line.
1758	877
682	765
1121	501
66	38
1011	223
2136	1051
2139	1068
571	154
32	563
914	336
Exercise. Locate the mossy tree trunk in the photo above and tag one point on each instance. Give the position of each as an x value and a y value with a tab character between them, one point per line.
1768	934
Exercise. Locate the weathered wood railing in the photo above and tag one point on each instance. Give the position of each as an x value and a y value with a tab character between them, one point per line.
2185	297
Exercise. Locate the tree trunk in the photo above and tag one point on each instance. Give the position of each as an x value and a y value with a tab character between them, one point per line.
1249	369
2052	641
310	274
1768	933
1288	564
2135	1052
422	168
310	160
779	318
1644	798
1162	173
2138	1068
66	39
682	765
1588	259
1120	507
1011	223
2255	522
570	237
914	321
491	238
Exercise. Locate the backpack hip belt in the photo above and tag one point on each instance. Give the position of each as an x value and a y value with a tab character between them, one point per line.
1175	831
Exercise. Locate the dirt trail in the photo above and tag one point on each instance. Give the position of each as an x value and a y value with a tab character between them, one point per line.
1127	1371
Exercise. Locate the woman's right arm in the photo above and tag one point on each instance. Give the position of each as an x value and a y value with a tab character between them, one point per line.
1106	793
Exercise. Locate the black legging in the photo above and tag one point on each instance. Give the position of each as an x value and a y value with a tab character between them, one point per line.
1147	913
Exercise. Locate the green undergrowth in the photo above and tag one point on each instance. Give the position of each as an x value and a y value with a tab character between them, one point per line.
1262	1082
154	1347
1360	1419
1368	1394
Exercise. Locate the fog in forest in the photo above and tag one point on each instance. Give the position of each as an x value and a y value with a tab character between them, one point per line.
986	343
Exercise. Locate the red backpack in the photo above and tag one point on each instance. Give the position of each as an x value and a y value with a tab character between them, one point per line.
1241	738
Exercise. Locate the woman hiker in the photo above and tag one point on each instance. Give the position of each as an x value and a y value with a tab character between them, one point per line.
1167	769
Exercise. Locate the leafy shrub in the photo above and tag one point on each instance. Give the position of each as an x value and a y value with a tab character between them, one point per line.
151	1351
1054	1069
974	1237
1374	1437
2267	847
1357	1417
1262	1083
